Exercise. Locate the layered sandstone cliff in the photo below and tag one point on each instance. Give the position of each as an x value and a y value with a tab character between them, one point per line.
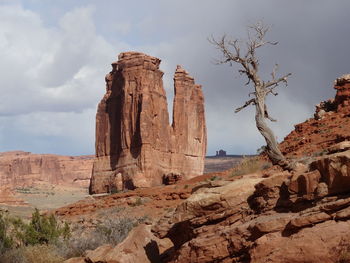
135	145
23	169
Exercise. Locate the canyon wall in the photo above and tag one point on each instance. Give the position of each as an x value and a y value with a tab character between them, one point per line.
135	145
23	169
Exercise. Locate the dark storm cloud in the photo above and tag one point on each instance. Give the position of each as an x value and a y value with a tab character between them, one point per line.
313	45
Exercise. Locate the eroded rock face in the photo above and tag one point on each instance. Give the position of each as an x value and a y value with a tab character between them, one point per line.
330	125
342	85
23	169
282	218
133	135
188	127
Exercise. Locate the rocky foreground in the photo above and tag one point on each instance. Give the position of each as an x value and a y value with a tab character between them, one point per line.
274	216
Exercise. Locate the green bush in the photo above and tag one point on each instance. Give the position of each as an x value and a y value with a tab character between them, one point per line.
45	239
6	241
42	229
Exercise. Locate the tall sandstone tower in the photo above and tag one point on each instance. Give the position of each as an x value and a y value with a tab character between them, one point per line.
135	145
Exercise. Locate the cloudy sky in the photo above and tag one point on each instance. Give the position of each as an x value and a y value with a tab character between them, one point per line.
54	56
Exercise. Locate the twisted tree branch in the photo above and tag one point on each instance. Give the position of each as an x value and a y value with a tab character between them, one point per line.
247	103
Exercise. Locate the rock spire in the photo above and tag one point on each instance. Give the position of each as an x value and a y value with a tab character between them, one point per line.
135	145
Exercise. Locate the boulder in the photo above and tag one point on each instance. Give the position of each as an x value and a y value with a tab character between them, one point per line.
339	147
335	171
342	85
139	246
313	245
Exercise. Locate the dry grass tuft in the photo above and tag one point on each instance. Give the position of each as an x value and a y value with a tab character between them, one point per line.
249	165
32	254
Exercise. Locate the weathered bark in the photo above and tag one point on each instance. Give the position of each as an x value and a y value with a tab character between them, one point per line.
272	149
232	53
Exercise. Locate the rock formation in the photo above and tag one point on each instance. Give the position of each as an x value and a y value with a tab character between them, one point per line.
22	169
288	217
140	246
330	125
281	216
135	145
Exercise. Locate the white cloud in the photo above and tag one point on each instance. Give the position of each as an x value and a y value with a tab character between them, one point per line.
52	77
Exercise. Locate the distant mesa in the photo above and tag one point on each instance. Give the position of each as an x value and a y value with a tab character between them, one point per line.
135	144
221	153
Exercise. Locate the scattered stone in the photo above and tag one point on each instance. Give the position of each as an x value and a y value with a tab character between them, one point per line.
322	190
335	171
171	178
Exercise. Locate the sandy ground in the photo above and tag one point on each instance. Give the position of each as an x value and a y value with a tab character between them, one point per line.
218	164
44	197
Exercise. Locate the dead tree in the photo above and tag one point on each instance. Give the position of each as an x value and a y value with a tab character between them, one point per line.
235	51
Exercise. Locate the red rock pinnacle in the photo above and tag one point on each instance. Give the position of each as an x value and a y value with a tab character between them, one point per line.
135	145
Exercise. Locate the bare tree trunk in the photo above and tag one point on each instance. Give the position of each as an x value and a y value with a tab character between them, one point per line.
232	53
272	149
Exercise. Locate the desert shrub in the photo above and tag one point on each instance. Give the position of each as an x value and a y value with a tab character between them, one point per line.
249	165
6	241
41	229
32	254
110	231
44	239
114	231
15	255
215	178
138	201
320	153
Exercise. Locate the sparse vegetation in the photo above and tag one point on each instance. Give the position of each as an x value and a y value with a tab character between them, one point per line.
320	153
6	241
32	254
214	178
31	241
45	239
139	201
110	231
250	165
